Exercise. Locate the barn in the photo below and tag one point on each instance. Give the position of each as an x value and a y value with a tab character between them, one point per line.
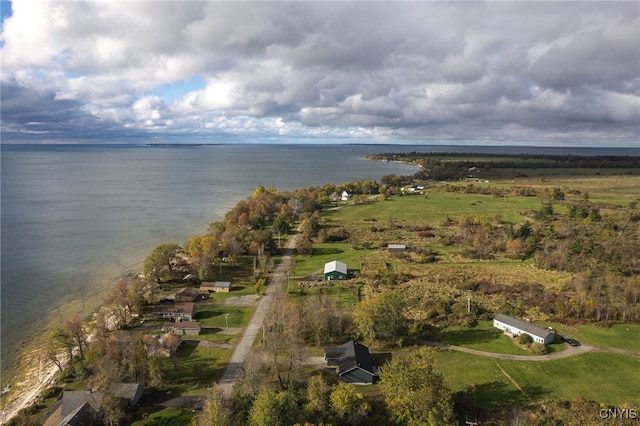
335	271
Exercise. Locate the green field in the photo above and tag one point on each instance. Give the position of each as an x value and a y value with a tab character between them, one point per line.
606	378
437	206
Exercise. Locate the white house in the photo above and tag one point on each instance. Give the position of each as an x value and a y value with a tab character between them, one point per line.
516	327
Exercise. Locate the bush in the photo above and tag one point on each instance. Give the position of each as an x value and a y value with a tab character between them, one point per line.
538	348
525	339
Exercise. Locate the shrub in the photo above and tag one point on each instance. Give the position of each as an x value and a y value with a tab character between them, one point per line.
525	339
538	348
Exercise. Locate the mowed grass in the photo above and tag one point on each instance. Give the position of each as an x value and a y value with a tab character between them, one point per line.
196	367
606	378
167	417
213	315
327	252
483	337
437	206
620	336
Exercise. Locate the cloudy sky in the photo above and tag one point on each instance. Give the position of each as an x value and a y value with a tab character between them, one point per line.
544	73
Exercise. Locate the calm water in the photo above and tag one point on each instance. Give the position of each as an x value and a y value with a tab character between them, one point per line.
76	218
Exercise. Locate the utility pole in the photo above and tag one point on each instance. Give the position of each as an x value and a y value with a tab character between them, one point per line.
226	318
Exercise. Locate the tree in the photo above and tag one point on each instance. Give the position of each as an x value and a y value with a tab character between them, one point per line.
216	411
414	392
112	408
77	335
273	409
317	397
283	346
380	318
349	404
58	348
158	266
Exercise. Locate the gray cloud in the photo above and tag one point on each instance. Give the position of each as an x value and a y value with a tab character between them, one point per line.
549	72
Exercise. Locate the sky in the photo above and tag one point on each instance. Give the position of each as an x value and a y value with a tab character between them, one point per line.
496	73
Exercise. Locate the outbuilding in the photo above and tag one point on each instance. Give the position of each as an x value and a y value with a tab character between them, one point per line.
215	287
396	248
516	327
183	327
335	271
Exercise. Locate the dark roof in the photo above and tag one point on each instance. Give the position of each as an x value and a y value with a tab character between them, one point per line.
524	326
72	400
81	416
131	392
350	355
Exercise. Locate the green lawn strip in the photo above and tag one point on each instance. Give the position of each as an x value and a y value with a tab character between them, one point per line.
620	336
595	376
213	315
483	337
237	290
167	417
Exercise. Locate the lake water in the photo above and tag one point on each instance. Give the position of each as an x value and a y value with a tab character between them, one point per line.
77	218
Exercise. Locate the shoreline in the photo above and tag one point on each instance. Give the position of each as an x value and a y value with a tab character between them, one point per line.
31	373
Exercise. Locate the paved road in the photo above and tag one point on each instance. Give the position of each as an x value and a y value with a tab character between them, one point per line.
243	347
570	351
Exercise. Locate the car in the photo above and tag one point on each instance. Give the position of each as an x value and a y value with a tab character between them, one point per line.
570	341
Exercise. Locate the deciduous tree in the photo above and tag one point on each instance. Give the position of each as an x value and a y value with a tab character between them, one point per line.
415	393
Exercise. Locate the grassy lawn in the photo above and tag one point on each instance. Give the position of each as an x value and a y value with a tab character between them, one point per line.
483	337
621	336
436	206
327	252
213	315
167	417
606	378
196	368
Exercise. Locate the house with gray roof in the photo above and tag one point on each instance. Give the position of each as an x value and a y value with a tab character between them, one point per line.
352	361
516	327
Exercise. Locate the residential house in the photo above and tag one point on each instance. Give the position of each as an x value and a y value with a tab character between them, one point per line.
183	311
353	362
215	287
516	327
192	328
186	294
335	271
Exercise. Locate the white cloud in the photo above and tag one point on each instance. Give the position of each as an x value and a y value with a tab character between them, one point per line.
379	69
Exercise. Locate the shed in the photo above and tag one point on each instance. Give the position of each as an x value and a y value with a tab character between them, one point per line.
215	287
335	271
192	328
516	327
396	248
353	362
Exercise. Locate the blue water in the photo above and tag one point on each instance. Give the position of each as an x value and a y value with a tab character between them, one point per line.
76	218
